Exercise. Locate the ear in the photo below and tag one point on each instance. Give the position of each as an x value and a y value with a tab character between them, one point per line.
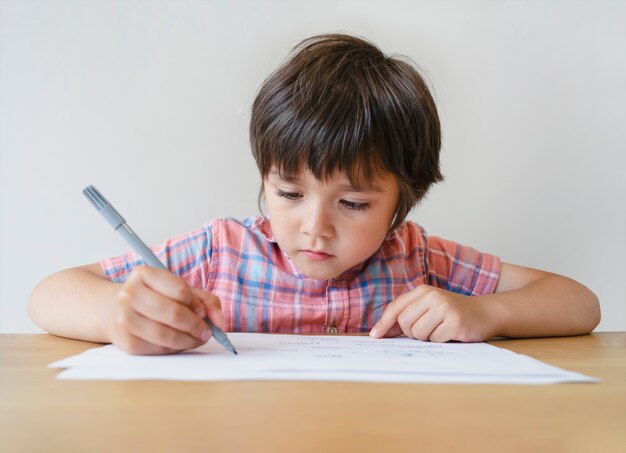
261	199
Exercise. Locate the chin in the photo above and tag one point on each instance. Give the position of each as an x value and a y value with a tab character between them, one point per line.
317	274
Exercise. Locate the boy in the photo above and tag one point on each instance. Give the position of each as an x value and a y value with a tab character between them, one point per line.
347	142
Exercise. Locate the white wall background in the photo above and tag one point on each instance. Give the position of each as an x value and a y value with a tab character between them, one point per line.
149	101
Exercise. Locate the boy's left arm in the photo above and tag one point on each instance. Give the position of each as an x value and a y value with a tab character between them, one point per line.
526	303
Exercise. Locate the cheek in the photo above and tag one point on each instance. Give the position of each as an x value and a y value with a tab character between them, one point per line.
368	236
282	222
275	207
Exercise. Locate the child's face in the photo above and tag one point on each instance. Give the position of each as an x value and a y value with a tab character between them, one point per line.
327	227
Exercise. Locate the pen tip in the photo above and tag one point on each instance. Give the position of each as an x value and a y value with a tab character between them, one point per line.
235	352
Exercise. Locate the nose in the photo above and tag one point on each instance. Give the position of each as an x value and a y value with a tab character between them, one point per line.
317	222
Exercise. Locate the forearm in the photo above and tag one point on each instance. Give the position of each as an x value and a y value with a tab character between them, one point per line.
72	303
550	306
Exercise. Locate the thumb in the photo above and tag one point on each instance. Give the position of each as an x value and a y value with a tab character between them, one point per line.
212	306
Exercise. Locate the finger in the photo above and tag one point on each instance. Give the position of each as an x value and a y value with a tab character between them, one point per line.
390	315
424	326
411	314
393	310
168	284
135	345
212	306
394	331
159	308
441	334
160	334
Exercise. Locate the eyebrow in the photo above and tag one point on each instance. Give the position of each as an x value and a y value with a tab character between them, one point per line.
345	187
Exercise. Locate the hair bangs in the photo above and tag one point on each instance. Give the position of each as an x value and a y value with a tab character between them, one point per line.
325	144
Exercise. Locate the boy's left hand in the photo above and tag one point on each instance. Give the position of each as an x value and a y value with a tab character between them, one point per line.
430	313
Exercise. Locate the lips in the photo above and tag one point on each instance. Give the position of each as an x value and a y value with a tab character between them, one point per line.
316	255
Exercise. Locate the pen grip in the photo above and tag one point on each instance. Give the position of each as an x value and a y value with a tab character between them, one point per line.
151	259
218	333
119	224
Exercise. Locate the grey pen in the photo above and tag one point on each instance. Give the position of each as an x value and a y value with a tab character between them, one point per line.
119	224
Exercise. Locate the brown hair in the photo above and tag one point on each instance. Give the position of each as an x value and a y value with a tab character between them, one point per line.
339	103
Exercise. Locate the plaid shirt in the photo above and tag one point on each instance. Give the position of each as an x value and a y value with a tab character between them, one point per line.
261	290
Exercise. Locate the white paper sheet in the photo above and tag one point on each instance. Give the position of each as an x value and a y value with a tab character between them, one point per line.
322	358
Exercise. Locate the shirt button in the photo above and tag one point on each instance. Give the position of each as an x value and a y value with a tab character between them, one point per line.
331	329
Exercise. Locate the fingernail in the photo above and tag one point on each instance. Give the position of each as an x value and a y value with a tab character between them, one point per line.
373	332
205	335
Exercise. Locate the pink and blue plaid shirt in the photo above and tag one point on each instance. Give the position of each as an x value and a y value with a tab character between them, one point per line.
262	291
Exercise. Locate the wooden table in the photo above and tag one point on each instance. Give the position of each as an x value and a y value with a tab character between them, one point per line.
40	413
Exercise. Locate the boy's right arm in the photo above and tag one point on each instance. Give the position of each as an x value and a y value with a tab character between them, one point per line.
153	312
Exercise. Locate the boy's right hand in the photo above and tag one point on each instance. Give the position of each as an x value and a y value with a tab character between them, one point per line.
156	312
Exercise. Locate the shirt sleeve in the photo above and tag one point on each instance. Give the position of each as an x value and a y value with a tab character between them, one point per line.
460	269
187	255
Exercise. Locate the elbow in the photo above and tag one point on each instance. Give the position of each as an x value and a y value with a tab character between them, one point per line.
592	314
595	313
32	306
38	302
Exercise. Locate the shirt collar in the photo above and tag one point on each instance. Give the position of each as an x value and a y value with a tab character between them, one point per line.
264	226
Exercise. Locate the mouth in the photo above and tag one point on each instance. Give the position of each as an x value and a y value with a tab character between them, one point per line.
316	255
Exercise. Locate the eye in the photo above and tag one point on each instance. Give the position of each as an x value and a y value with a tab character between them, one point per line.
288	195
354	205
